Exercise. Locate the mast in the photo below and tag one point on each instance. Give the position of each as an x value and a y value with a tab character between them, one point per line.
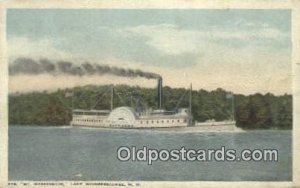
72	106
190	105
73	93
190	100
230	95
112	98
232	103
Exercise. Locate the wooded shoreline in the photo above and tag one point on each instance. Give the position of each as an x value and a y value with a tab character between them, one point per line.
255	111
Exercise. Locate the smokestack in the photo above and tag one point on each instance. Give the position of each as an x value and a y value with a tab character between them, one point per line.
159	93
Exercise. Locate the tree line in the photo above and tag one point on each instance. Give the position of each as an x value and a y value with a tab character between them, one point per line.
255	111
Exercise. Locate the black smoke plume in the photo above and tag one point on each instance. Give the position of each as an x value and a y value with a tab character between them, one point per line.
44	66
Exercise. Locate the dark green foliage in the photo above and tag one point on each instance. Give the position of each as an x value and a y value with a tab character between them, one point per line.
251	112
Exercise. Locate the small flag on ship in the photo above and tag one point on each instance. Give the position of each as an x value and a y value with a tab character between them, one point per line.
229	95
68	93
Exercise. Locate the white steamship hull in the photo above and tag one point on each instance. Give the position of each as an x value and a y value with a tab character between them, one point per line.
126	117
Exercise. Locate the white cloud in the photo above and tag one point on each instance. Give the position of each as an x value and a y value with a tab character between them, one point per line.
44	48
167	38
173	40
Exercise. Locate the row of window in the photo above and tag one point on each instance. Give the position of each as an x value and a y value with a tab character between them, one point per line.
122	126
163	121
89	120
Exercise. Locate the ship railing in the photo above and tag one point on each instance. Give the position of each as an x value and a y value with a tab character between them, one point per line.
87	112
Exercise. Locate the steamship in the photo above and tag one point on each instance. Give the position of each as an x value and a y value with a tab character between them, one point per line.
127	117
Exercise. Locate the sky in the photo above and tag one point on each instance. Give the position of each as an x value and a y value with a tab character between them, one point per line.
244	51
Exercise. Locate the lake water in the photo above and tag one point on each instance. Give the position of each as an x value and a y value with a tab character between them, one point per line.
64	153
